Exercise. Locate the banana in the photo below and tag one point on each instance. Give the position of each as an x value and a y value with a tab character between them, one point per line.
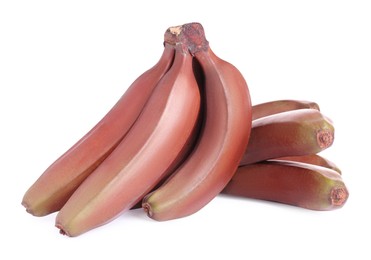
311	159
295	132
53	188
221	142
299	184
142	158
278	106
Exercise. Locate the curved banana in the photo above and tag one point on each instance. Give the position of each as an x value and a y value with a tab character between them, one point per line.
53	188
295	132
294	183
142	158
311	159
278	106
222	140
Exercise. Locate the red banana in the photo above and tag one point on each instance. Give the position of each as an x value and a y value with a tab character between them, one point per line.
296	132
294	183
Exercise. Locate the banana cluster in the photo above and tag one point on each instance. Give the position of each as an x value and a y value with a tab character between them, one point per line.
184	132
281	162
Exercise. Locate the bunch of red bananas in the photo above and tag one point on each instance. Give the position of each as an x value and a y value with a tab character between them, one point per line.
183	132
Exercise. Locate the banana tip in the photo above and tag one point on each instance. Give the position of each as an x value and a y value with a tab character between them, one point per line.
147	209
28	208
339	196
25	204
314	105
62	231
325	138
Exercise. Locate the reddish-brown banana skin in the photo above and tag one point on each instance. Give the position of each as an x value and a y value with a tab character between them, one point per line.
278	106
293	183
53	188
291	133
187	149
182	156
142	158
221	143
311	159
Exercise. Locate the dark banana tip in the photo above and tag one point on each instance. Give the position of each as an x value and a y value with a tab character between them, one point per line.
339	196
29	209
147	209
61	230
325	138
314	105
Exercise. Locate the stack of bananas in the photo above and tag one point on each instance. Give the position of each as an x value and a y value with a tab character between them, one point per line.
182	133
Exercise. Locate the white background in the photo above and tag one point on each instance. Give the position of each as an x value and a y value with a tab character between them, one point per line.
63	64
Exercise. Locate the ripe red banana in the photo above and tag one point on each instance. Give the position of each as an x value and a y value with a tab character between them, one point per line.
300	184
142	158
278	106
295	132
221	142
53	188
311	159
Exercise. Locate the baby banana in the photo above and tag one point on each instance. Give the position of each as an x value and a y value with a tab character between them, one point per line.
295	132
221	142
54	187
142	158
299	184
